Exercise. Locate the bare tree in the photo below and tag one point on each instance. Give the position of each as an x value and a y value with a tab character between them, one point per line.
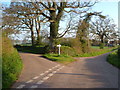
29	13
104	28
83	30
20	12
53	11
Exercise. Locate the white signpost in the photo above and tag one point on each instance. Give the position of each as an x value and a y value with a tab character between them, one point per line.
59	48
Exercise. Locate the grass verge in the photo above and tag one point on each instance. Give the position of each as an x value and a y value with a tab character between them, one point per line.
64	59
113	59
95	52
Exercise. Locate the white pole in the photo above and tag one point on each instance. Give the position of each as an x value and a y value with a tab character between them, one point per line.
59	50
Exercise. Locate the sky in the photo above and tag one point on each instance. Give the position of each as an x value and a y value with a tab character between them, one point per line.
108	8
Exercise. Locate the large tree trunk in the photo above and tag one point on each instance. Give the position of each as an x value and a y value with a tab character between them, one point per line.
53	29
38	30
32	34
55	24
102	39
38	37
32	37
53	34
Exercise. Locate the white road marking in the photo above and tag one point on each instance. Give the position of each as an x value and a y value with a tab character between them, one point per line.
46	71
36	77
21	86
50	69
45	78
34	86
42	74
40	82
61	67
55	66
54	72
58	69
51	74
29	81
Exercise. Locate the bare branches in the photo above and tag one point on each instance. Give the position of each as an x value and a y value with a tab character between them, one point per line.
67	29
103	27
44	5
75	11
80	4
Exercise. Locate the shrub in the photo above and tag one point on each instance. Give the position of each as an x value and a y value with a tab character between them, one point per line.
11	63
32	49
101	45
113	59
68	51
118	52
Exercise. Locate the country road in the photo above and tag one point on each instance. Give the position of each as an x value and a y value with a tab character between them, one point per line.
91	72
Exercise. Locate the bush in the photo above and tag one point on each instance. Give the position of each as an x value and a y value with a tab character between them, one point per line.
32	49
68	51
101	45
11	63
113	59
118	52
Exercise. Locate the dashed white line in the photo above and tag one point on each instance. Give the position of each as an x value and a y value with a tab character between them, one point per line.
40	82
21	86
29	81
46	71
42	74
55	66
34	86
58	69
36	77
54	72
62	67
50	69
51	74
45	78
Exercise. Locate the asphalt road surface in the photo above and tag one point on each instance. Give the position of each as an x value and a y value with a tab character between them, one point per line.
91	72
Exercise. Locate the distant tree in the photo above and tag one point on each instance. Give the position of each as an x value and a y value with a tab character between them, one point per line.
83	30
19	15
104	28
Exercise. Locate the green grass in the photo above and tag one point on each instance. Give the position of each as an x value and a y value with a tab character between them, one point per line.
113	59
64	59
97	47
11	63
95	52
